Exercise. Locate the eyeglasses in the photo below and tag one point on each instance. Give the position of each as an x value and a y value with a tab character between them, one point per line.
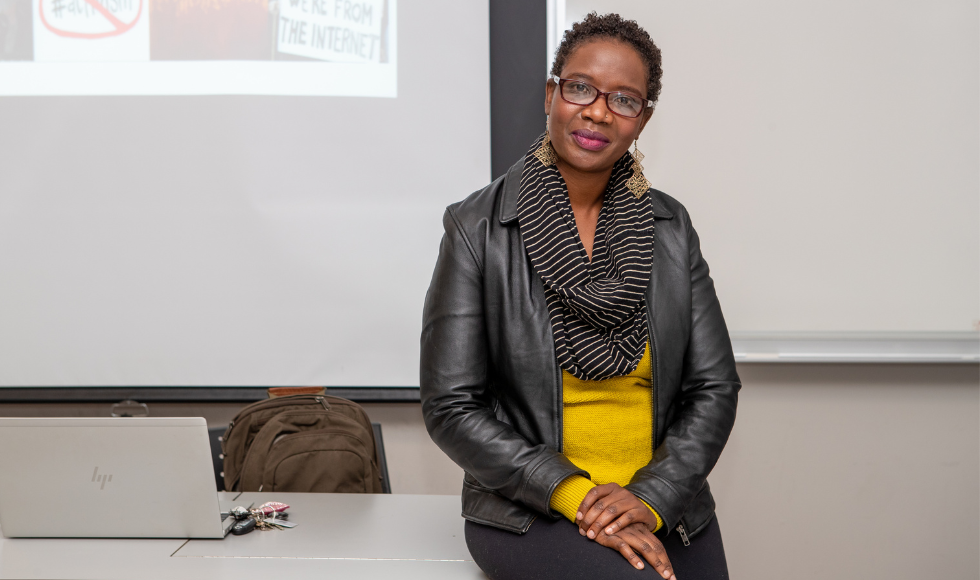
582	93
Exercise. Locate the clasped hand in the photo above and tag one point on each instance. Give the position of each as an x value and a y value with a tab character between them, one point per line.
617	519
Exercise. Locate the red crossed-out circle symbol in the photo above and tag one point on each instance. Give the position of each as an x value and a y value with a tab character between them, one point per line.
119	26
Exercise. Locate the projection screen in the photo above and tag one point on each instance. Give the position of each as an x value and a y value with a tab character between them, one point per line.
230	192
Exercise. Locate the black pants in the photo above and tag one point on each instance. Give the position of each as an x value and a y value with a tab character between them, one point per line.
554	549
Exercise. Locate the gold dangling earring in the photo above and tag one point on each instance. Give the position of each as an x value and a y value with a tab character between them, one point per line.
637	184
546	153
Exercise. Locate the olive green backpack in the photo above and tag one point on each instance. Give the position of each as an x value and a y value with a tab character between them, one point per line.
301	443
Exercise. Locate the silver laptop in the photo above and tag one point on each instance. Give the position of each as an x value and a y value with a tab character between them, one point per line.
144	477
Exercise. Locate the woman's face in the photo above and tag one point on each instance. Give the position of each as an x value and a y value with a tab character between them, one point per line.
591	138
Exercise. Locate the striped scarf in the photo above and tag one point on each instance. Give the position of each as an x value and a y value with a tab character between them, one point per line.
598	314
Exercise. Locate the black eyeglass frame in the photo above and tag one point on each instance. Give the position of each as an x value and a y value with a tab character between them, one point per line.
559	82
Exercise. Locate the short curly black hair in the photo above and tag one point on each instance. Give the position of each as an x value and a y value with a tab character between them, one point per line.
613	26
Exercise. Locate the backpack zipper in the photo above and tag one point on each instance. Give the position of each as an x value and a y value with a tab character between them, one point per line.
232	424
683	533
225	436
282	402
348	434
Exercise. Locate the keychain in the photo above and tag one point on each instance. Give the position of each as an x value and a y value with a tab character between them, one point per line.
268	516
271	507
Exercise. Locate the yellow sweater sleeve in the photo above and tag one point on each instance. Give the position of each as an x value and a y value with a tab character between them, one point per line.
570	493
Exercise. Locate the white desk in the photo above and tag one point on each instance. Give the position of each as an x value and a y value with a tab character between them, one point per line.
337	536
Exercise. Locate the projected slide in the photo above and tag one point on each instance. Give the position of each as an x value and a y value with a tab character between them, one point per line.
198	47
226	240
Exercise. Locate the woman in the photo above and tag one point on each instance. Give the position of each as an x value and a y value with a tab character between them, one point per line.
575	361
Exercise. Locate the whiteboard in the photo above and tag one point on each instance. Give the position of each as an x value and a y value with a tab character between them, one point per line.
829	155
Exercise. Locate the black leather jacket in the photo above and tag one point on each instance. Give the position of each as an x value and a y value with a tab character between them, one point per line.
491	386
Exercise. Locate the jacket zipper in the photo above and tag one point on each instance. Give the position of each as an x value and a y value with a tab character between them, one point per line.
560	424
683	533
653	376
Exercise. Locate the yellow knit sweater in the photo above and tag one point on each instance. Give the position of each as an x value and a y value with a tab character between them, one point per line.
608	431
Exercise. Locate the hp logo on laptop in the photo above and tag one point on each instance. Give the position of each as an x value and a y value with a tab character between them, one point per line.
101	478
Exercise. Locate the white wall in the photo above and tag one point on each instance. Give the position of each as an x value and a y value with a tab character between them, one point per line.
864	471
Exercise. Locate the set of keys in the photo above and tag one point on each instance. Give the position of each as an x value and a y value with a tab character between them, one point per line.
268	516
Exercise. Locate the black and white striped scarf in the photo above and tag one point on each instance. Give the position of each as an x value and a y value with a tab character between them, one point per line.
598	314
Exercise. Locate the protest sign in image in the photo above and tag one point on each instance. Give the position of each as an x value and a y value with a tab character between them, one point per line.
91	30
353	31
211	30
199	47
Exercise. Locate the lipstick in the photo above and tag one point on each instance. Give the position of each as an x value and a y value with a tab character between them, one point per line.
591	140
